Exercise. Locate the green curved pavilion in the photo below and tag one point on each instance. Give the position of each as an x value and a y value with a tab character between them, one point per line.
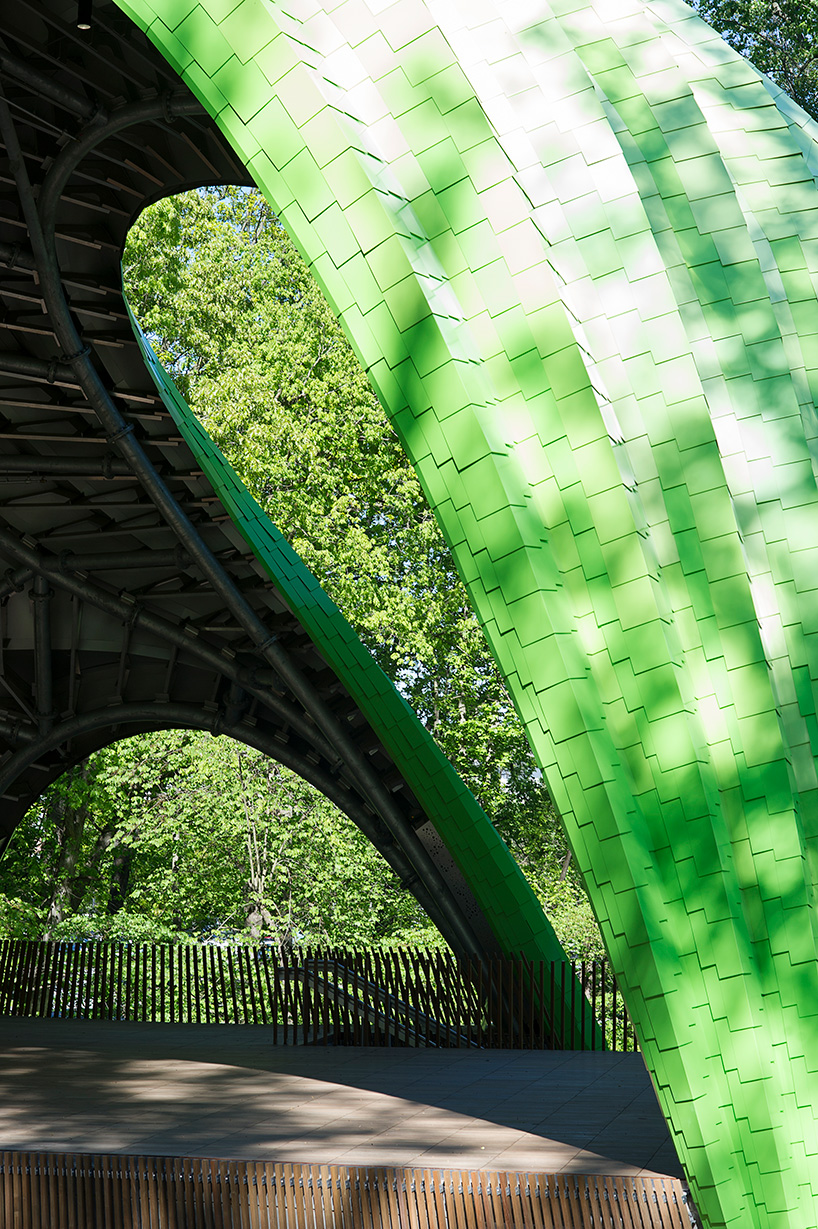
574	246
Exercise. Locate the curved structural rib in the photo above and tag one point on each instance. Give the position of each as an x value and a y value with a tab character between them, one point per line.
130	598
574	246
41	221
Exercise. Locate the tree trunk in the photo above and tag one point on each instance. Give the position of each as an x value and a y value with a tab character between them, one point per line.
120	877
70	825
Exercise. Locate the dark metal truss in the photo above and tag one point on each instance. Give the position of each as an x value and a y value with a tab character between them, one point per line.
129	601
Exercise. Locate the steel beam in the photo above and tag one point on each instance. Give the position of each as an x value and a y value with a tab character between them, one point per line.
126	609
74	467
69	561
37	369
13	255
41	595
10	66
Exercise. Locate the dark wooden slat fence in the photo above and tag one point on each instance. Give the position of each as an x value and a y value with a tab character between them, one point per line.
42	1191
327	997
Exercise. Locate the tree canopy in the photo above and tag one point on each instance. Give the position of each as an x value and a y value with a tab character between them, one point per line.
779	36
178	834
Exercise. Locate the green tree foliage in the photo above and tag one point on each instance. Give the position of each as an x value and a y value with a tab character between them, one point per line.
779	36
176	833
238	320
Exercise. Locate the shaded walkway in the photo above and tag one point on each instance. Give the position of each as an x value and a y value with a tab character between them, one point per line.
224	1090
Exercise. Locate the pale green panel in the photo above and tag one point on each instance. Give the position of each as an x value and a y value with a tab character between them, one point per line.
572	246
616	284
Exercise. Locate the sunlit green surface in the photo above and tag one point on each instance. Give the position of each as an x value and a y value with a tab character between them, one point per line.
498	884
573	247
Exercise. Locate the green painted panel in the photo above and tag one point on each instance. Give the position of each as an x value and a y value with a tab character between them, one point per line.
595	368
496	880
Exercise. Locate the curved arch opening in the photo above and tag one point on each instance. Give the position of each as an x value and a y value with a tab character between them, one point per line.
237	319
176	835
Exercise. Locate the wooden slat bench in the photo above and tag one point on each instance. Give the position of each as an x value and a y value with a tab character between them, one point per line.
78	1191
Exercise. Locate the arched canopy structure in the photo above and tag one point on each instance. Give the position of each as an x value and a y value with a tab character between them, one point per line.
575	245
143	588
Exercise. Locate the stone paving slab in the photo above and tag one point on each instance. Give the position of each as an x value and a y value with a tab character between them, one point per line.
225	1090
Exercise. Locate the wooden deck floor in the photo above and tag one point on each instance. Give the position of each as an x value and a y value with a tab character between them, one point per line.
225	1091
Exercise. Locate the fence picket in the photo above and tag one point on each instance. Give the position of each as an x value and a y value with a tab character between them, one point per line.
76	981
113	968
62	985
79	951
375	997
135	970
298	997
27	975
171	983
202	983
46	977
614	1017
321	961
16	977
130	982
138	980
5	965
283	979
307	997
96	995
256	986
383	977
369	1019
272	995
242	985
31	975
